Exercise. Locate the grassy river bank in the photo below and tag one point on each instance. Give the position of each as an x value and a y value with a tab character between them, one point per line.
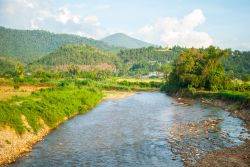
26	116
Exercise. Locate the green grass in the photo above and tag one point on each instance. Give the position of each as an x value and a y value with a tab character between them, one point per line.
51	105
234	95
67	98
120	85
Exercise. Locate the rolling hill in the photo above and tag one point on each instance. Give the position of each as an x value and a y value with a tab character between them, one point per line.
84	56
28	45
123	40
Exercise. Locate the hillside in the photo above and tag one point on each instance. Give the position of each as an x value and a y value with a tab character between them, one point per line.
28	45
123	40
238	65
143	60
82	55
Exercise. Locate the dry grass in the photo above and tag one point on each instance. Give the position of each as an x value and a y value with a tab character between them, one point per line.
7	92
115	95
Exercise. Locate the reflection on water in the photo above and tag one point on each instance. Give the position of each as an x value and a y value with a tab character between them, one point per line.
129	132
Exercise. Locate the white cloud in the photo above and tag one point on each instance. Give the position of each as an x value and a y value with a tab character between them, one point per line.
35	14
91	19
63	15
173	31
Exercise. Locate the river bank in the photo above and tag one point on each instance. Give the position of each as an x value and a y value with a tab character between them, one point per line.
30	114
14	145
236	156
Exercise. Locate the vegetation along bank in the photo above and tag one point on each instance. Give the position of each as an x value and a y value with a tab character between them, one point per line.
24	120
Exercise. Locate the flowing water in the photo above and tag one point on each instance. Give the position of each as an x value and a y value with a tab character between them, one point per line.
136	131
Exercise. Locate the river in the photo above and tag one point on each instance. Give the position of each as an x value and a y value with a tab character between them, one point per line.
141	130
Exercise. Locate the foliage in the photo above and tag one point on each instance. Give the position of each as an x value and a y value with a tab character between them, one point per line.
110	84
144	60
73	70
238	65
234	95
77	55
96	74
200	68
150	84
19	75
7	67
166	69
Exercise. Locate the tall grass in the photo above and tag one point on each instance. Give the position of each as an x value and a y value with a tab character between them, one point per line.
120	85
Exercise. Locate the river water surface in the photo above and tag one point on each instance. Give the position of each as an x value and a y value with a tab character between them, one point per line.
137	131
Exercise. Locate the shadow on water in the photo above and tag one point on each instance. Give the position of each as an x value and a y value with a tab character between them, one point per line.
148	129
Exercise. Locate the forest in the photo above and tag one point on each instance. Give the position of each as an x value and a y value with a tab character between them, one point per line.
41	50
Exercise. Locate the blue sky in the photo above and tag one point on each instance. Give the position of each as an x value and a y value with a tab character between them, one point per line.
198	23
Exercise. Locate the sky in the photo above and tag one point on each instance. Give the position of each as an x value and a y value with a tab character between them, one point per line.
189	23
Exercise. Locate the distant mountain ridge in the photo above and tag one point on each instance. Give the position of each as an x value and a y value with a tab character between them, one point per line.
28	45
123	40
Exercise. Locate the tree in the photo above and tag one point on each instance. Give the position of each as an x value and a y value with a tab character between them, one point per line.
73	70
19	75
200	68
166	69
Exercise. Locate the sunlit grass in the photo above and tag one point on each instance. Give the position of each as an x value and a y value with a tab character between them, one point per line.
51	105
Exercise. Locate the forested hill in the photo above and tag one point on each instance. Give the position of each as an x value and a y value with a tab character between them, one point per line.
144	60
78	55
123	40
238	65
27	45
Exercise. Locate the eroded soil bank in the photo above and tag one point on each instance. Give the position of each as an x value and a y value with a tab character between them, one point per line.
13	145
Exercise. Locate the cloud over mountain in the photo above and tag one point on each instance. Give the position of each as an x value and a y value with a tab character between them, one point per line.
34	14
173	31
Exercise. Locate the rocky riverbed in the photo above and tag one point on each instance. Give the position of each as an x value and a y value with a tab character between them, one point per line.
204	143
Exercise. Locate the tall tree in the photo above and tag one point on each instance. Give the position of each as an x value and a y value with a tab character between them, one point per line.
199	68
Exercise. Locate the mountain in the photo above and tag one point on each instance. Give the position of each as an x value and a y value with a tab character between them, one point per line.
28	45
123	40
84	56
